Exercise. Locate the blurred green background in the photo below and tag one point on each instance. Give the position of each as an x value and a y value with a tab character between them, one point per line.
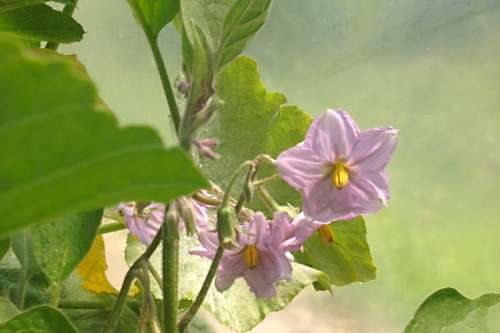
430	69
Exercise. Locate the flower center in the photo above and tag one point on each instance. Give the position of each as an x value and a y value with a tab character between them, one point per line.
339	176
326	234
251	256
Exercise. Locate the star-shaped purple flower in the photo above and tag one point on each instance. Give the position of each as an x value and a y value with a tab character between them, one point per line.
339	169
257	258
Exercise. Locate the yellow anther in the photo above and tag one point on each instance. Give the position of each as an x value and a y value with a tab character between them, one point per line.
326	234
340	176
251	256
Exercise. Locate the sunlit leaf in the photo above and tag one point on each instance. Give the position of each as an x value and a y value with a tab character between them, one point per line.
7	310
252	122
156	13
348	259
9	4
39	319
241	24
60	245
60	155
41	22
92	269
446	310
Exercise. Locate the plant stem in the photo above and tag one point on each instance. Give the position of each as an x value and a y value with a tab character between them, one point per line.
90	305
242	168
206	199
127	282
144	278
170	266
156	276
266	180
56	291
160	64
111	227
270	203
189	315
68	10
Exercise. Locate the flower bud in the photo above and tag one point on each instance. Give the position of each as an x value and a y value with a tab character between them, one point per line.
226	227
186	211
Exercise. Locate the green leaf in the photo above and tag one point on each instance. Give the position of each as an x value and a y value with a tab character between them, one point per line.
4	246
241	24
39	319
22	244
7	310
348	259
61	155
60	245
209	15
446	310
41	22
9	4
157	13
252	122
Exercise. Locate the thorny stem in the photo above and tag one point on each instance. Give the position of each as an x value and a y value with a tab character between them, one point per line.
68	10
160	64
188	316
127	282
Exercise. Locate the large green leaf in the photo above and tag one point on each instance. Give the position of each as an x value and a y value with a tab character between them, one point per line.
252	122
209	15
157	13
237	307
7	310
241	24
446	310
348	259
41	22
60	245
9	4
42	319
60	155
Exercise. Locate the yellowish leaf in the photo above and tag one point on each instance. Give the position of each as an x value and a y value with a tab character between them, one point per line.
92	269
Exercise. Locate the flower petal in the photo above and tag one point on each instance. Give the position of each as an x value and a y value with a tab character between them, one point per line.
374	149
332	135
299	167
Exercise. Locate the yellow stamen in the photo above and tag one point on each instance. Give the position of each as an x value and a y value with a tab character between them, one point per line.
340	176
326	234
251	256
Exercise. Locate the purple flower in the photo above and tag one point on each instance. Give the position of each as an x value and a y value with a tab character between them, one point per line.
339	169
145	223
256	258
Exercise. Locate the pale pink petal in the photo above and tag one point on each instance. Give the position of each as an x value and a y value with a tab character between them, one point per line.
332	135
299	166
138	228
374	149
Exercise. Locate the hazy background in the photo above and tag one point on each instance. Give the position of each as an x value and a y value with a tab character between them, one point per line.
430	69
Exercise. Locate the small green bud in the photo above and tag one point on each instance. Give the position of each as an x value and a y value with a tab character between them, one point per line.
226	227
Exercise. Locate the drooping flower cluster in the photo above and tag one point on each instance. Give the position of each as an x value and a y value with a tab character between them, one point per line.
340	174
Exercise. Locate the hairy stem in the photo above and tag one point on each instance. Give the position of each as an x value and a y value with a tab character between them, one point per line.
170	267
160	64
270	203
266	180
189	315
